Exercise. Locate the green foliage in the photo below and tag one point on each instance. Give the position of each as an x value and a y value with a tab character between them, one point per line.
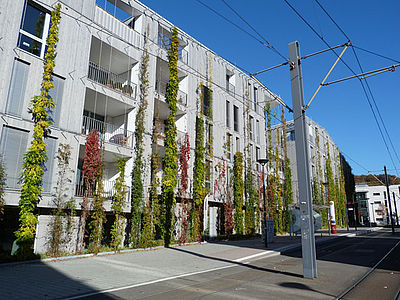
138	167
147	237
238	190
59	235
251	199
199	173
171	150
287	190
184	156
117	229
35	158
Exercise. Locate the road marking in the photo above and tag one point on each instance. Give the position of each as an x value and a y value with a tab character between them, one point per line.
233	264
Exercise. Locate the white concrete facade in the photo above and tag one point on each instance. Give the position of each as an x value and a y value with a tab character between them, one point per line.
373	204
97	78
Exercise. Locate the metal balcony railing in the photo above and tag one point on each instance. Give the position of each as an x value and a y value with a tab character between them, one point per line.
111	80
161	88
164	41
109	132
230	88
109	190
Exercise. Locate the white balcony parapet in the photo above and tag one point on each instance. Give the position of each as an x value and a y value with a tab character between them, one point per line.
109	190
112	24
109	132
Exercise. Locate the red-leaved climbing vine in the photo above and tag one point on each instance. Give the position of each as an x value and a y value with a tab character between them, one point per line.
184	157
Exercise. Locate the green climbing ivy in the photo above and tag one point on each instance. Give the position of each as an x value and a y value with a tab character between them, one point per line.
117	229
35	158
238	190
171	150
138	167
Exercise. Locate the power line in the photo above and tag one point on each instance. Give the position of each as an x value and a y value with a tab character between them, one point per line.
354	73
366	82
269	45
377	54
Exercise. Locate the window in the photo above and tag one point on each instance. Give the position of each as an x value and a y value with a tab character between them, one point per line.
258	131
378	194
291	135
48	171
236	118
237	142
209	138
34	29
56	93
16	92
251	152
255	99
228	146
377	202
206	101
251	128
228	114
384	194
13	146
258	166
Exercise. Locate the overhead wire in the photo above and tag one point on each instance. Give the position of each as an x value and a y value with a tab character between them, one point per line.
354	73
366	82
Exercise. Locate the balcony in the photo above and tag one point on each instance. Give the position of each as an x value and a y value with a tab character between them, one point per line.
111	80
108	194
230	88
112	24
161	89
108	132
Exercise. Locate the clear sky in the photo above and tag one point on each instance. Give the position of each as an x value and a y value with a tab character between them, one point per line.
342	108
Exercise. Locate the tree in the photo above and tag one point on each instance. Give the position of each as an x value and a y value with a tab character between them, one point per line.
171	150
36	157
91	162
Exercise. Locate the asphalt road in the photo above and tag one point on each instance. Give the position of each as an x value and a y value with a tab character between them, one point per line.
341	263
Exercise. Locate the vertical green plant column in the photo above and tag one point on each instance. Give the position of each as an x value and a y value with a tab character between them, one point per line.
117	229
138	167
35	158
57	230
238	190
278	188
329	177
287	189
184	156
171	150
270	188
198	174
320	186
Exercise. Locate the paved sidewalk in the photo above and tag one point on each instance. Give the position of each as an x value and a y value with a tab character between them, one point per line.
72	277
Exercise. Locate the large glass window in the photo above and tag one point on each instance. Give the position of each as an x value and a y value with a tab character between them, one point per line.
34	29
228	114
13	147
16	92
56	93
236	118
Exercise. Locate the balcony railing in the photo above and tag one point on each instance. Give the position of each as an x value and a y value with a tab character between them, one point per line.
111	80
161	88
109	22
230	88
109	190
164	41
108	132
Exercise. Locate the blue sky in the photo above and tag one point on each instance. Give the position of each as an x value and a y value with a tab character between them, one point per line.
341	108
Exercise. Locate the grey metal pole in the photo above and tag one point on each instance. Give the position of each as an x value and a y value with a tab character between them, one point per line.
390	204
347	215
303	171
395	208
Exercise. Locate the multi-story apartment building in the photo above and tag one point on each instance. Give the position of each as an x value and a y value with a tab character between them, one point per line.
373	204
96	79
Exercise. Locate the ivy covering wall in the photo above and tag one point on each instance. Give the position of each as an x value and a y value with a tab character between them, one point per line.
238	190
171	150
35	158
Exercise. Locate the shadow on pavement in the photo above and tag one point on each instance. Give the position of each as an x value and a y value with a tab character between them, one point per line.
238	263
301	286
360	251
40	281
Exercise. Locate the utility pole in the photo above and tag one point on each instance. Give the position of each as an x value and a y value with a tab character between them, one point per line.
390	205
303	167
395	208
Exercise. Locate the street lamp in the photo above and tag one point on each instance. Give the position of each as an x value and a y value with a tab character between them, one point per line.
263	161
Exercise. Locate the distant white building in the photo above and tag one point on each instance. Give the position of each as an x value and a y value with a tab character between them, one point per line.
373	204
